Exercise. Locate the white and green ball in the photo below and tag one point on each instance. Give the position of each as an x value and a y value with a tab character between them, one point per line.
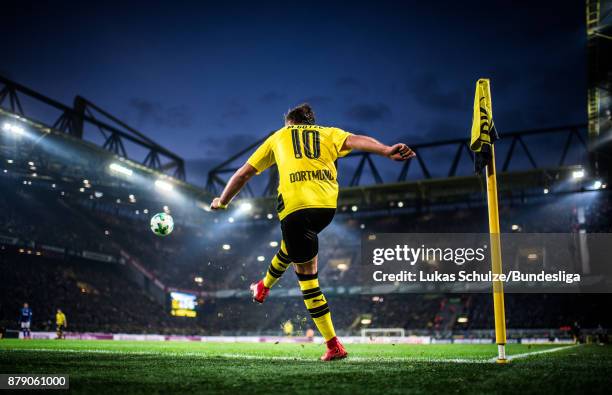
162	224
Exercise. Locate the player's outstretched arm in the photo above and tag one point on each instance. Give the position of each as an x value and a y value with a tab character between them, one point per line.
234	185
399	152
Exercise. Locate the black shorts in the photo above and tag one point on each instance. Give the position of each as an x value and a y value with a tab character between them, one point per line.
300	230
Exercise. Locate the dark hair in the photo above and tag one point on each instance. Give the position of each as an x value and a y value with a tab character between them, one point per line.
301	115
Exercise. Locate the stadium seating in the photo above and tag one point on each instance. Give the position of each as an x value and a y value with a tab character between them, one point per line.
98	296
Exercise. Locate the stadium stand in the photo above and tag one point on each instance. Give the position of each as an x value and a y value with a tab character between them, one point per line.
76	236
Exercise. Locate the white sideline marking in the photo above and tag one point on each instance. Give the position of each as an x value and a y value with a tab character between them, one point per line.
248	356
297	358
529	354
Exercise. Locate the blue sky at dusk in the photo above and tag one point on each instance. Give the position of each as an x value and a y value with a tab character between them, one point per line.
206	79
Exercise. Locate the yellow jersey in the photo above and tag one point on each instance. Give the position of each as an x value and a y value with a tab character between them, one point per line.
60	319
305	156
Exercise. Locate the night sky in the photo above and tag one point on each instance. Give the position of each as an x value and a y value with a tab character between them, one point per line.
205	79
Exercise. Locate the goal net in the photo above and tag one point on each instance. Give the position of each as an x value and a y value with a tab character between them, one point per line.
382	333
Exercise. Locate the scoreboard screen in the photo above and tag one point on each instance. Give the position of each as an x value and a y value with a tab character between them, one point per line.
182	304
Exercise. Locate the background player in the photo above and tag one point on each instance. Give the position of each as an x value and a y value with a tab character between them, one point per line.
25	320
305	155
61	323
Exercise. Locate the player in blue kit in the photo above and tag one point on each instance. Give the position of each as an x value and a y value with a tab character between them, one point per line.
25	319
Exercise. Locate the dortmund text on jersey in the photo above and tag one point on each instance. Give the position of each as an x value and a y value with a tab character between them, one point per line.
305	156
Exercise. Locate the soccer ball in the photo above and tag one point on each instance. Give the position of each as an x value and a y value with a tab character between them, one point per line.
162	224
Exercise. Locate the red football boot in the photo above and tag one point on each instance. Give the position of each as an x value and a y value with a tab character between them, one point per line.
335	350
259	291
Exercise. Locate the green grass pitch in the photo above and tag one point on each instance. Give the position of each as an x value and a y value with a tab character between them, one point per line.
111	367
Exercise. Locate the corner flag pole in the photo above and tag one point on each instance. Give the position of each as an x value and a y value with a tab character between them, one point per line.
482	139
496	261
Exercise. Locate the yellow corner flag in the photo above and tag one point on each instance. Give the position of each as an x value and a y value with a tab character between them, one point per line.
483	137
484	133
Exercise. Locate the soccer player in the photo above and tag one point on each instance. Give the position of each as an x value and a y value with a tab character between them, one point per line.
61	323
25	319
305	154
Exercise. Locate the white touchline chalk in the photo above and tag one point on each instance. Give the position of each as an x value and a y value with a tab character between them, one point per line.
296	358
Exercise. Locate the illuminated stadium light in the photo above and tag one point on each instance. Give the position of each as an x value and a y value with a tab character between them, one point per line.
342	267
53	186
366	321
5	170
226	247
137	212
230	220
146	211
7	127
604	186
515	227
274	244
81	189
98	194
400	204
118	200
246	206
163	185
362	226
85	182
597	184
261	258
106	232
532	256
462	320
269	216
117	168
198	279
9	161
34	175
354	208
32	167
30	163
132	198
546	191
578	174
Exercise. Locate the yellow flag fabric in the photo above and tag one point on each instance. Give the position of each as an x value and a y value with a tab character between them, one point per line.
483	128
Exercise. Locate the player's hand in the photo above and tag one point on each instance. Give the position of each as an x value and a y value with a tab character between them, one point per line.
217	205
400	152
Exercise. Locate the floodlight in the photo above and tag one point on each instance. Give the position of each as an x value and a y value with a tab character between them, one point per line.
163	185
120	169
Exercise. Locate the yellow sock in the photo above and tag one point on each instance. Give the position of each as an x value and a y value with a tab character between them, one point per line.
277	267
317	304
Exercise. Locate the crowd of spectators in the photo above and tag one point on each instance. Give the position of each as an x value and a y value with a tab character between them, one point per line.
230	255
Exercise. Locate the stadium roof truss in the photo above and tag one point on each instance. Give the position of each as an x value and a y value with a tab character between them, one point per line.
572	135
74	120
